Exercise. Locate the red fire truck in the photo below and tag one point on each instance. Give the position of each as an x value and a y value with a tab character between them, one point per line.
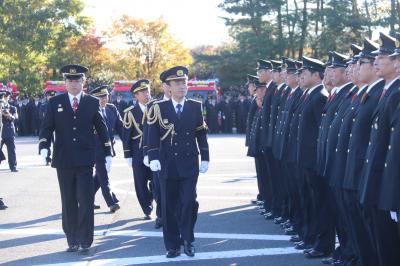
203	89
123	88
58	86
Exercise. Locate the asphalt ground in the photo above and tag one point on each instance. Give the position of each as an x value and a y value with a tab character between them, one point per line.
229	230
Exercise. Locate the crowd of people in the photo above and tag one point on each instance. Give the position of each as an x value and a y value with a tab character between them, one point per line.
325	139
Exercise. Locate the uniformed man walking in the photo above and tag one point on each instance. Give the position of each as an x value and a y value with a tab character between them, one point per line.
73	116
134	117
176	133
113	121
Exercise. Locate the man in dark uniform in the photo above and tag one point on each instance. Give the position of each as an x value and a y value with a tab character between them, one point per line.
8	116
242	109
283	130
389	196
42	112
325	242
113	121
134	117
74	116
212	115
384	229
176	132
360	118
310	118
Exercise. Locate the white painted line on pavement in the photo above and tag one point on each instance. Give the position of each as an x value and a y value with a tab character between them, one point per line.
139	233
199	256
232	211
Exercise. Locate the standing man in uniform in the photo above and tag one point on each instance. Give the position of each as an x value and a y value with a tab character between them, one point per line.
176	134
134	117
73	116
9	115
113	121
2	93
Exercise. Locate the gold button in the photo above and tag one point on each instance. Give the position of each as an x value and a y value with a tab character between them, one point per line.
74	117
392	128
74	139
176	154
176	144
367	160
74	128
336	150
369	143
187	133
338	135
351	135
348	150
390	147
385	164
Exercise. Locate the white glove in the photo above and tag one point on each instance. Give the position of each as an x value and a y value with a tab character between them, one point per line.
146	161
44	153
394	216
155	165
203	167
129	161
108	163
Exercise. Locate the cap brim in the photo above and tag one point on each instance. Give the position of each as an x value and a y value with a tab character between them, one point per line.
73	76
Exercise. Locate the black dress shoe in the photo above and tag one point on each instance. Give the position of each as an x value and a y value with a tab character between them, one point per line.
14	170
314	254
147	217
263	212
73	248
338	263
115	207
290	232
254	201
328	261
260	203
188	248
84	249
173	253
278	220
96	207
308	250
158	223
295	238
269	216
302	246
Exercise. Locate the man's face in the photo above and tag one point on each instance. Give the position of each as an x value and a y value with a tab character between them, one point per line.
178	88
74	86
103	100
264	75
166	90
339	76
260	92
276	76
251	88
292	80
384	66
283	76
301	79
397	64
365	70
307	78
143	96
355	73
328	76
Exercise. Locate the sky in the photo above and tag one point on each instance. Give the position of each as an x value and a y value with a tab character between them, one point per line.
193	22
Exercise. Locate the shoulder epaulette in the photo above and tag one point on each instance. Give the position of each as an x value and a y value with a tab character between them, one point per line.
128	109
160	101
195	101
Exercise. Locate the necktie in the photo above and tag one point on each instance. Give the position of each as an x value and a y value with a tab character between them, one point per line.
103	112
382	94
75	104
179	110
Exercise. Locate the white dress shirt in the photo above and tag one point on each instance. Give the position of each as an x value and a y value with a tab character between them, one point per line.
175	103
71	97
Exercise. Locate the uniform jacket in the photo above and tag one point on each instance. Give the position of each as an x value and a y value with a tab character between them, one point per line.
74	144
176	142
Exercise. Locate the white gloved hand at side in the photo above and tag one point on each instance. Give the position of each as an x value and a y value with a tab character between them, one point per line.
155	165
44	153
108	163
203	167
394	216
129	161
146	161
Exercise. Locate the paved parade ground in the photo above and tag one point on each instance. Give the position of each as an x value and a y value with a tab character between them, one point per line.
229	230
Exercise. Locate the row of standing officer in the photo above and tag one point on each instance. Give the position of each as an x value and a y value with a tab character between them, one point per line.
324	141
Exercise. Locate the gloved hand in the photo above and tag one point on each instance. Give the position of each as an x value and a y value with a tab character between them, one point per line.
203	167
146	161
155	165
108	163
394	216
129	161
44	153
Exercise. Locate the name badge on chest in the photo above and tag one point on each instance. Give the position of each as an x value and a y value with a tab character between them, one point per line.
60	109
